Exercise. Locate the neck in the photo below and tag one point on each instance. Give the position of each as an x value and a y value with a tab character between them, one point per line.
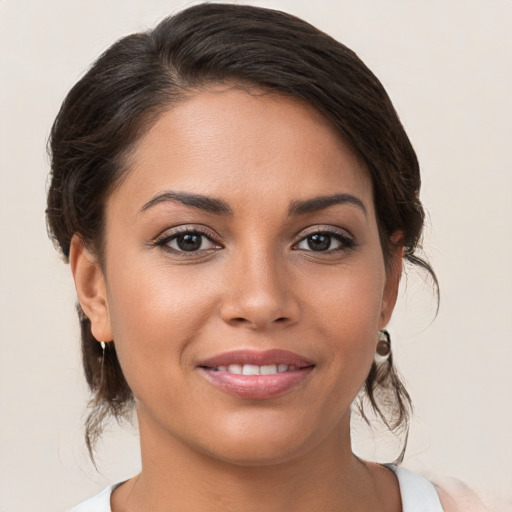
176	477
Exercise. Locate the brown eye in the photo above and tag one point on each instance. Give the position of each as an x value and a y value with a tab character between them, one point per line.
319	242
325	241
188	241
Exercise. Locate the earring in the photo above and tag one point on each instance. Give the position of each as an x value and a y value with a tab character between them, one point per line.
103	345
383	350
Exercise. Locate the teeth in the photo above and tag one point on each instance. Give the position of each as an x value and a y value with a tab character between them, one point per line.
235	368
253	369
250	369
268	369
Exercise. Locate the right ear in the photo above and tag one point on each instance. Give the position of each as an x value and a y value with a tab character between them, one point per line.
90	288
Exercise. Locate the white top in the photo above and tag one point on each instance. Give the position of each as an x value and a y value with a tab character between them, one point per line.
418	495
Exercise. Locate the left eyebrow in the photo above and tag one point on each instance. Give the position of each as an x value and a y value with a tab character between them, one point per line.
321	202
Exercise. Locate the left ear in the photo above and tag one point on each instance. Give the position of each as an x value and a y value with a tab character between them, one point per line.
393	275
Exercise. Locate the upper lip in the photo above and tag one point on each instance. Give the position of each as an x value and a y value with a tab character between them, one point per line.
256	357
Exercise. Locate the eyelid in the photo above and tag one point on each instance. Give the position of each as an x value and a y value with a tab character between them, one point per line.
324	228
170	234
344	237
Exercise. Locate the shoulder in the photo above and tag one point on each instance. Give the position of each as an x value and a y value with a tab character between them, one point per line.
98	503
443	495
416	492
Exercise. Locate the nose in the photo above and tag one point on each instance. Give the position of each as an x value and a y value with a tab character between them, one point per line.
259	293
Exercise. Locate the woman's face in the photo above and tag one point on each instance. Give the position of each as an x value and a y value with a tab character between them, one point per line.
243	240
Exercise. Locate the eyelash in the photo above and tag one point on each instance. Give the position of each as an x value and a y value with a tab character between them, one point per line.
347	243
164	240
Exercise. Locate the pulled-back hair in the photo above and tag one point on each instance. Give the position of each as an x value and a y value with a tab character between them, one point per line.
142	75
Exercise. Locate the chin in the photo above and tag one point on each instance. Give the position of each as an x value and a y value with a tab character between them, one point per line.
250	453
261	443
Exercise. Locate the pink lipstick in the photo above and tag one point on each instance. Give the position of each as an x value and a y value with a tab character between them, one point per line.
256	375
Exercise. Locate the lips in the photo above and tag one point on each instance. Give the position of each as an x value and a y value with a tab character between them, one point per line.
258	358
256	375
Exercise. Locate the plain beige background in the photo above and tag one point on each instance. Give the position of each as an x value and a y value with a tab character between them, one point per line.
447	66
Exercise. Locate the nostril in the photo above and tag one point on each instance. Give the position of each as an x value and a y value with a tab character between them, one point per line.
241	320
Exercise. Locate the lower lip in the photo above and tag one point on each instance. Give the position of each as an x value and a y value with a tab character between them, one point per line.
257	387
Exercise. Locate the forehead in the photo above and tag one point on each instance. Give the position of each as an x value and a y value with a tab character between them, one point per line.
230	142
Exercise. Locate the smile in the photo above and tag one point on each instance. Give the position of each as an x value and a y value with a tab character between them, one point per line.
253	369
256	375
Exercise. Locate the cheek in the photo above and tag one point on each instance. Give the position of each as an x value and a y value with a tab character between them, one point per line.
348	309
155	314
351	298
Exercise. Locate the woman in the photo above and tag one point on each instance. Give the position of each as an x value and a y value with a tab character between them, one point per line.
235	195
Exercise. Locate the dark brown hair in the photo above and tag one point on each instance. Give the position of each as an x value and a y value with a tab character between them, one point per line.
142	75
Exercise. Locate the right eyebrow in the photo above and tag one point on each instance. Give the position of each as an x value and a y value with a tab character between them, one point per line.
206	203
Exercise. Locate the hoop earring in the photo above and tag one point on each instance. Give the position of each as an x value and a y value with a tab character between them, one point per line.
383	350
